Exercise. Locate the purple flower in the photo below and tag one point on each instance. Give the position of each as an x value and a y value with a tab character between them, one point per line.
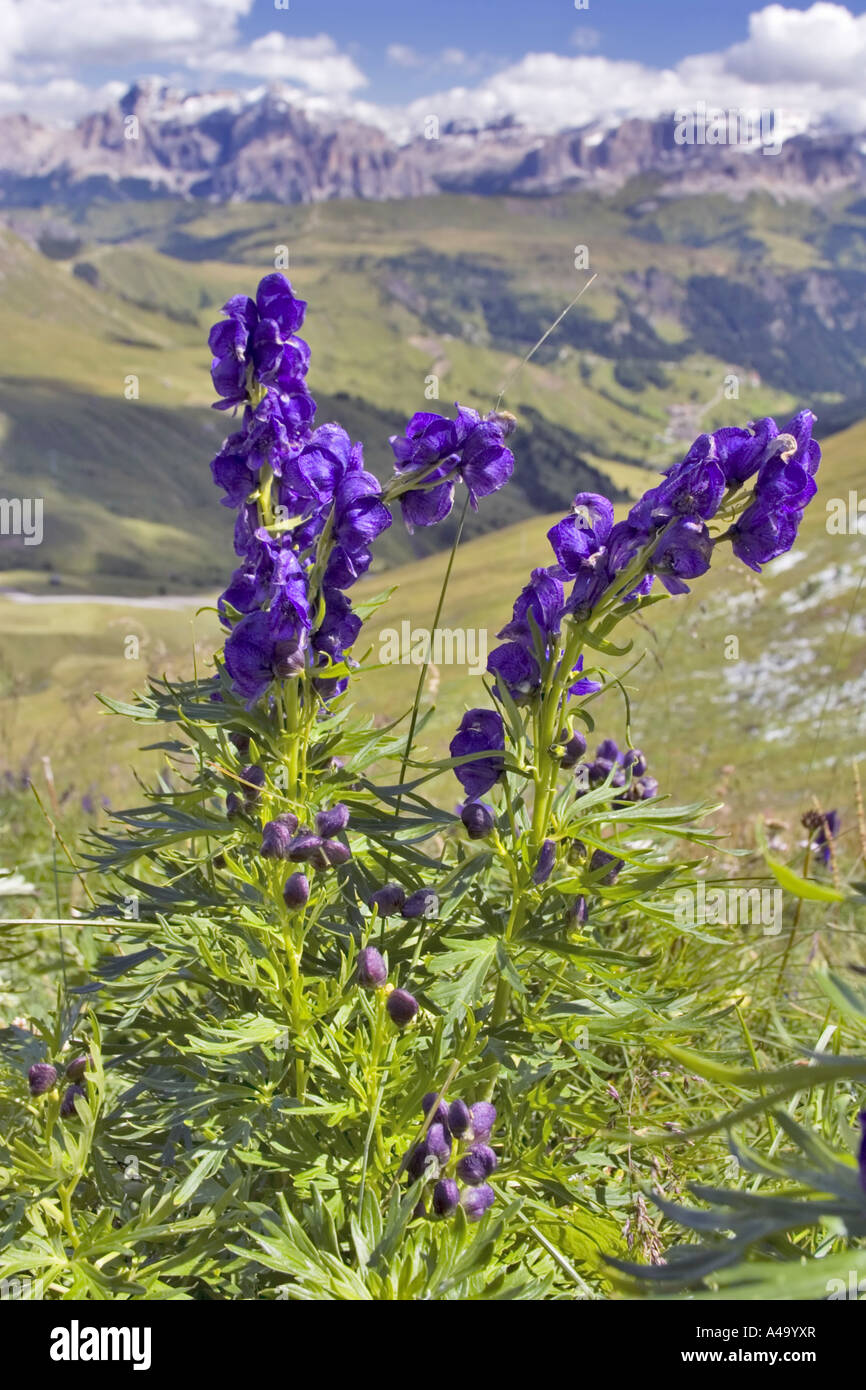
76	1069
518	670
67	1105
477	1165
296	892
254	648
478	819
402	1007
545	862
477	1200
335	853
684	552
481	731
332	821
483	1119
861	1151
634	759
372	971
740	452
763	533
430	1156
827	833
437	451
276	840
583	532
602	859
305	849
252	779
578	912
422	903
431	1099
574	750
460	1119
389	899
41	1077
692	489
446	1197
540	602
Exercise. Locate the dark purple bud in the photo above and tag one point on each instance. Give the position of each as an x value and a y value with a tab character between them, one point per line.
234	805
478	819
416	1164
483	1119
78	1066
305	849
460	1120
372	970
289	819
648	788
402	1007
389	899
576	851
574	751
420	1211
476	1166
41	1077
241	743
276	840
296	892
432	1099
336	853
439	1143
288	660
446	1197
329	823
67	1105
635	759
430	1156
253	778
861	1152
600	858
545	862
424	903
578	912
477	1200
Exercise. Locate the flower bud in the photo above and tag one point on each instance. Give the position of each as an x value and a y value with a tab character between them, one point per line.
439	1143
648	788
424	903
478	819
477	1200
234	805
483	1119
67	1105
460	1120
431	1154
402	1007
336	853
288	819
446	1197
306	849
253	778
41	1077
635	759
276	840
78	1066
477	1165
432	1099
544	864
296	892
241	743
389	899
574	751
578	911
330	823
600	858
576	851
372	970
288	660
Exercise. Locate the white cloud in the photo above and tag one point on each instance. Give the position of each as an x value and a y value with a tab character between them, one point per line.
402	56
316	63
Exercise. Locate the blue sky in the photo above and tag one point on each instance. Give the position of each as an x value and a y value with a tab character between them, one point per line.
550	65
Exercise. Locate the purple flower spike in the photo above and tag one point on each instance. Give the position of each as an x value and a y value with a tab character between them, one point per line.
478	819
296	893
460	1120
483	1119
389	899
446	1197
477	1165
477	1200
372	970
402	1007
424	903
331	822
545	862
41	1077
276	840
431	1099
67	1105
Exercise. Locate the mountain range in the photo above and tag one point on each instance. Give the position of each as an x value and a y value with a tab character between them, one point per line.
228	147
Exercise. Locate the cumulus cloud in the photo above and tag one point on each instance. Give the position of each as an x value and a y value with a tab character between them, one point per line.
402	55
316	63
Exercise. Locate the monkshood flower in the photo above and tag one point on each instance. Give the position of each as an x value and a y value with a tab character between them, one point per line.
433	1100
825	828
372	970
545	862
435	452
477	1200
477	1165
389	900
256	342
432	1154
42	1077
446	1197
76	1069
296	891
402	1007
478	819
481	731
861	1151
70	1095
423	903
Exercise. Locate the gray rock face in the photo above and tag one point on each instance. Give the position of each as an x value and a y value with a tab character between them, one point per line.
223	146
